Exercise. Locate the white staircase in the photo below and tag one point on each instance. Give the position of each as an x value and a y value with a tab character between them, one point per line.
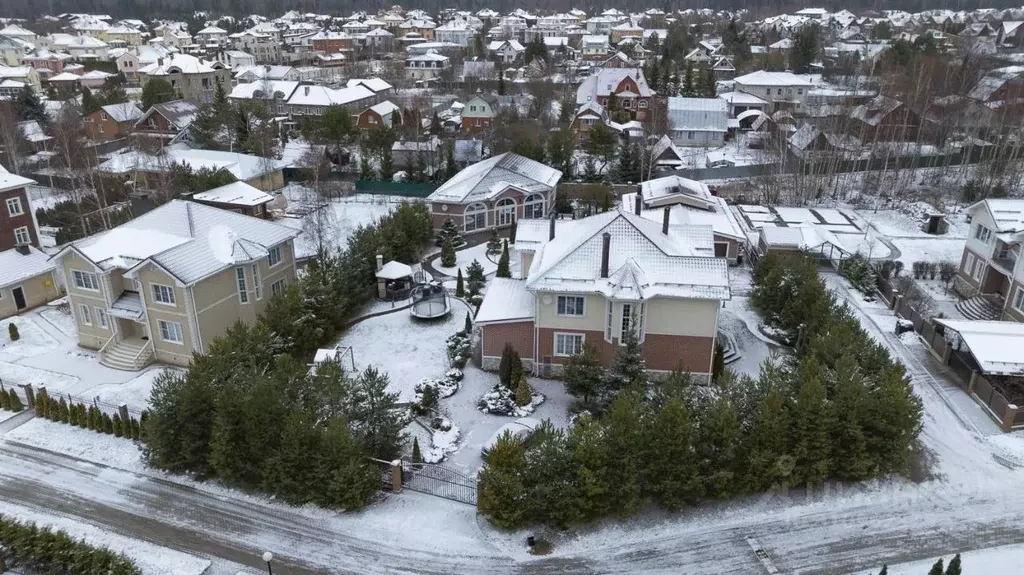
730	353
981	307
126	355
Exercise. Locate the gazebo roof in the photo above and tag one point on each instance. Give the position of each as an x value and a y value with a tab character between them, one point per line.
995	345
394	270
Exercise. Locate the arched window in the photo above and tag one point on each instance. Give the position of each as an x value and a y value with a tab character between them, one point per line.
534	206
476	217
505	211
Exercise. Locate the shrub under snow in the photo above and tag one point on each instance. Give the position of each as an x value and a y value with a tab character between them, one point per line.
502	401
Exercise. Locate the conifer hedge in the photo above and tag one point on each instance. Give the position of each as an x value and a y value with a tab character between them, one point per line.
33	549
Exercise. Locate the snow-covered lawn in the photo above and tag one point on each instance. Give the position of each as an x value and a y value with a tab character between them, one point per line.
60	320
465	257
405	348
906	223
151	559
12	373
135	392
934	249
871	246
5	414
751	347
996	560
342	216
32	341
81	443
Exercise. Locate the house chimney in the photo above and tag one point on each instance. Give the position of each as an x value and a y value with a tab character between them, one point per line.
638	205
606	244
159	61
307	90
22	249
664	220
551	227
380	262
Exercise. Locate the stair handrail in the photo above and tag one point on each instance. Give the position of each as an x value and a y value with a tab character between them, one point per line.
135	360
107	343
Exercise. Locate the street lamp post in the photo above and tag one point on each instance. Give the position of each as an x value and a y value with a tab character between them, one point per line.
268	557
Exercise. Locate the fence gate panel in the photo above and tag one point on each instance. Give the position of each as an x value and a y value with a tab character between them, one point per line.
440	480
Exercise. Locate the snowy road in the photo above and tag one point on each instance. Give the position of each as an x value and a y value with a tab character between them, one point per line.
831	534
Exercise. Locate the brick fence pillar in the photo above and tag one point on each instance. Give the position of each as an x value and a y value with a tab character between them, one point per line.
30	398
895	303
1009	416
396	475
947	353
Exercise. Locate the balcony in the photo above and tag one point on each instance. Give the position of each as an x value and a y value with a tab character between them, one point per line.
1005	257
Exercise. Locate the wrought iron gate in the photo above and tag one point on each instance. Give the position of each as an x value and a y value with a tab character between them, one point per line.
440	480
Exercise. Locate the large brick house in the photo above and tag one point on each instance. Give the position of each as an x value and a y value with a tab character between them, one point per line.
590	281
377	115
495	191
16	224
112	121
627	85
991	270
479	113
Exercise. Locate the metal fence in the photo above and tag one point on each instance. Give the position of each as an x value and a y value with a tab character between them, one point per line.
440	480
407	189
104	406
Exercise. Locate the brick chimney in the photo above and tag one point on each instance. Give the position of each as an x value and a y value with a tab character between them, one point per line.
380	262
551	227
638	203
664	220
606	245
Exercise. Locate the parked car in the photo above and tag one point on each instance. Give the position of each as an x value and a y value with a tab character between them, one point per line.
521	428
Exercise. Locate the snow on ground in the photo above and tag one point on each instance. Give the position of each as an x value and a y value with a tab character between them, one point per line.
135	392
934	249
151	559
871	246
407	349
342	216
5	414
465	257
478	427
906	223
996	560
32	341
81	443
12	373
60	320
753	350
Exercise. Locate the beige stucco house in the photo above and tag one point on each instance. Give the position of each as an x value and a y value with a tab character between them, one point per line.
28	279
164	285
589	281
991	269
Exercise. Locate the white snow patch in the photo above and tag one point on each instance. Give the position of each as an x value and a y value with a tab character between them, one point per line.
222	239
465	257
32	341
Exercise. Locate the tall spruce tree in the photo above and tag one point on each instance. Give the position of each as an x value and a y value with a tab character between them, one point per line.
551	492
670	464
718	446
584	375
590	458
811	424
494	242
460	288
448	257
936	568
623	435
954	566
629	369
850	458
500	486
504	270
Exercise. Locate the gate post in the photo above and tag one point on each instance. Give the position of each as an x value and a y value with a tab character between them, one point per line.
1009	416
396	475
30	400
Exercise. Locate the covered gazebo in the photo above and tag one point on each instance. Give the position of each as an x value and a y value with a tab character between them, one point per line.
394	280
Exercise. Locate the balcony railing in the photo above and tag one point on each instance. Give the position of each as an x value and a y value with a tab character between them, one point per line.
1005	261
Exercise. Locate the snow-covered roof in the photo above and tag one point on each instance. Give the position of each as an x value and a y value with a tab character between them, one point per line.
506	300
9	181
670	190
189	240
324	96
763	78
16	266
64	77
698	114
643	262
1007	213
242	166
681	216
124	112
385	110
260	72
394	270
995	345
490	177
374	84
212	30
235	193
264	90
179	113
33	132
607	80
805	237
176	63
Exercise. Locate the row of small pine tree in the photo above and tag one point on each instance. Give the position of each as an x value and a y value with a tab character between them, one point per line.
953	568
87	417
10	401
33	549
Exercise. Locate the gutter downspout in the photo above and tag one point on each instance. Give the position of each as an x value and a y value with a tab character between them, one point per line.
195	317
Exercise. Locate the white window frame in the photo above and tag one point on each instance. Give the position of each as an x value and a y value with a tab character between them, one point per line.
562	306
982	234
504	211
472	212
625	320
274	256
243	295
277	288
14	207
159	291
979	268
257	288
101	318
1018	300
969	264
79	277
21	235
530	206
84	314
565	336
169	329
610	320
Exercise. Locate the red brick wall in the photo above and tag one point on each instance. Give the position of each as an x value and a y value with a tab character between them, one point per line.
364	122
519	334
454	212
662	352
111	129
8	224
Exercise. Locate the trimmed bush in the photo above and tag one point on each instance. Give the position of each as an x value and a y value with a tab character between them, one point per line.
32	549
13	331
